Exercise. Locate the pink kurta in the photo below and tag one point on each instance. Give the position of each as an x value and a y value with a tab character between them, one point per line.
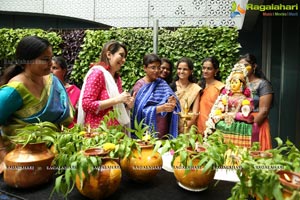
95	91
73	93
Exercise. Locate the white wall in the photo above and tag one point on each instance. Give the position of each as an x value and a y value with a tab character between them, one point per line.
133	13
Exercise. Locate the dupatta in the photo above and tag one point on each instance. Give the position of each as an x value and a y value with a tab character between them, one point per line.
112	90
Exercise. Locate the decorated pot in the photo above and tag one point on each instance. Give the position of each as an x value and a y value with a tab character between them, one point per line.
290	182
28	166
104	182
144	165
192	177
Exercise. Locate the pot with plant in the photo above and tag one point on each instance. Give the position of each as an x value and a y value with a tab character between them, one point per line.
141	161
264	176
194	160
290	182
27	165
88	160
103	180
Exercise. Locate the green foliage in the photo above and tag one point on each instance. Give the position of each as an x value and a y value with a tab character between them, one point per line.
9	39
35	133
199	43
195	43
258	175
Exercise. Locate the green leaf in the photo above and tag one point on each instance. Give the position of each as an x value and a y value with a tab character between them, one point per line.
208	165
58	181
68	177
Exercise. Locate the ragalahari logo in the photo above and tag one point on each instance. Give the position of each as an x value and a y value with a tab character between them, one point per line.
237	9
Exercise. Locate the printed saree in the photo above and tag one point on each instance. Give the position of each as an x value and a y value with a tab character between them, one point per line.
148	98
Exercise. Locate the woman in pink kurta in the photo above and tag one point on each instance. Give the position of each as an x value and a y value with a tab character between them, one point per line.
95	90
102	89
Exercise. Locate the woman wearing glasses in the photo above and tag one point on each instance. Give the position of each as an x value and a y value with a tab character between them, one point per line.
155	101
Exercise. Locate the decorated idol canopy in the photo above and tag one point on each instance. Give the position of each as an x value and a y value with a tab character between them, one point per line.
231	112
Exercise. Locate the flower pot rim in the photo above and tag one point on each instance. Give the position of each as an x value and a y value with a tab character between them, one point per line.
284	181
200	149
30	143
144	144
95	151
261	154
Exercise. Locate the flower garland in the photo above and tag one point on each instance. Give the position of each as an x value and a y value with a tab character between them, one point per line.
221	103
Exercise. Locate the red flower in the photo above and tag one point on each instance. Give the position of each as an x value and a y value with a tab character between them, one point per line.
224	91
247	92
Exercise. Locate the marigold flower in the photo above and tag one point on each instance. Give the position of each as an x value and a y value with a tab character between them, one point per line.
218	112
245	102
224	101
109	146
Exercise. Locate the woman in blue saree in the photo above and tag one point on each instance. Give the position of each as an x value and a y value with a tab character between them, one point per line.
155	102
28	94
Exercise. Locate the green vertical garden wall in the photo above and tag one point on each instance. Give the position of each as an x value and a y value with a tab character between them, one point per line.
195	43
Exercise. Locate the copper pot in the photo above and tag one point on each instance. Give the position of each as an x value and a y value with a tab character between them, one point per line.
28	166
261	154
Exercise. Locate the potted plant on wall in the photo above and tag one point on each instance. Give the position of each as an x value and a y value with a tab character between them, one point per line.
27	165
195	160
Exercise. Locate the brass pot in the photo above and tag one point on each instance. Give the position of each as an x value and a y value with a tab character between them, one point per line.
142	166
28	166
104	182
192	177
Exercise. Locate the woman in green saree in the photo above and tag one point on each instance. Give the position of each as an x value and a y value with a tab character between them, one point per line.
28	94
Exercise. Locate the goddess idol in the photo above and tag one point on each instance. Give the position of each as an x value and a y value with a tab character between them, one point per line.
232	111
